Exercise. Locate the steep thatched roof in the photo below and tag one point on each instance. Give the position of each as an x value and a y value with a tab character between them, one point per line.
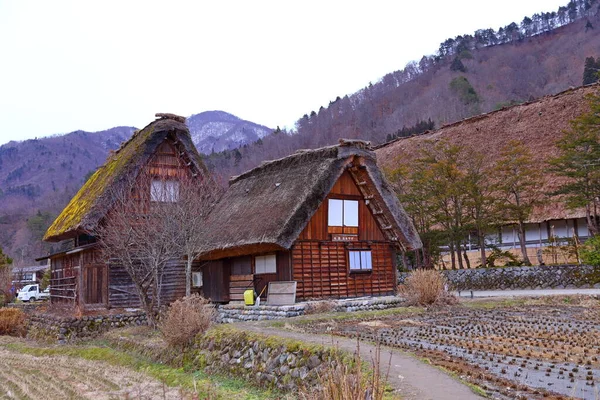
268	207
91	203
538	124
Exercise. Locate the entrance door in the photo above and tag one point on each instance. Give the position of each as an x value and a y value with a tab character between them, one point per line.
265	271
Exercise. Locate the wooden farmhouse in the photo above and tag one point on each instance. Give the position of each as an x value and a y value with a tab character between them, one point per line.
325	218
163	150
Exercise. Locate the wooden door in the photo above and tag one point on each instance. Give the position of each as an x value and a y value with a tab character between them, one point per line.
95	283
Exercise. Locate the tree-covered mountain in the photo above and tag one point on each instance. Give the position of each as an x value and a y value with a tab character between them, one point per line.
471	74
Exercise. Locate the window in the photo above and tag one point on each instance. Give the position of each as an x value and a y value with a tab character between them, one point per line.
197	279
360	260
28	276
343	213
164	191
265	264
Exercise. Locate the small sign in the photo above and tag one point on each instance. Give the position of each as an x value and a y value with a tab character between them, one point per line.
337	237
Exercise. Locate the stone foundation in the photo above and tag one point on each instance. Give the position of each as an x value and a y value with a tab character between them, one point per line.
229	313
538	277
264	361
67	329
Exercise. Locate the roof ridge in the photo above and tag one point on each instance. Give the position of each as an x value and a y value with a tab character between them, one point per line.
306	153
487	114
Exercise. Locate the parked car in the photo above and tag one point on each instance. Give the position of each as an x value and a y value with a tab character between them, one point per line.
33	293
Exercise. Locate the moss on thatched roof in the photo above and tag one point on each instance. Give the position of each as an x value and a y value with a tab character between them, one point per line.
269	206
92	201
538	124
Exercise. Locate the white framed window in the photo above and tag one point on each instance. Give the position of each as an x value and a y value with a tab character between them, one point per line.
197	279
360	260
343	213
265	264
164	191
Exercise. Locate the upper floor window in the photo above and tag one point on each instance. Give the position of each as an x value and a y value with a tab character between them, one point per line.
164	191
343	213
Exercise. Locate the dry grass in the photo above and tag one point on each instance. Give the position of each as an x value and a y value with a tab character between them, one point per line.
426	287
186	318
320	307
341	380
24	376
12	322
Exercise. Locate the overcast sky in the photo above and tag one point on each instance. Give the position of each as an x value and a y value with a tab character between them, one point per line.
92	65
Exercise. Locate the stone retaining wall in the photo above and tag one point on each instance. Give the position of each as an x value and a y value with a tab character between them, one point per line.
229	313
66	329
265	361
538	277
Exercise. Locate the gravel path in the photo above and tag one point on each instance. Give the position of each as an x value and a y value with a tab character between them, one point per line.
413	379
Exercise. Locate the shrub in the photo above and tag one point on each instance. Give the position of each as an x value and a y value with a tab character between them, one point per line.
590	253
426	287
12	322
186	318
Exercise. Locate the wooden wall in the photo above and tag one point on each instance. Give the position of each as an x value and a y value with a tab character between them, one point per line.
320	265
321	270
64	278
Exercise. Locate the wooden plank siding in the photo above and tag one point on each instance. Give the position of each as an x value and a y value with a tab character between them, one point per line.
122	292
321	270
320	265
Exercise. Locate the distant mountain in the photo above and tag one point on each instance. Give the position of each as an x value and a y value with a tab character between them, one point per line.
214	131
39	176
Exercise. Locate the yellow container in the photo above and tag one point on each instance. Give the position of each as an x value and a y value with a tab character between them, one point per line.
249	297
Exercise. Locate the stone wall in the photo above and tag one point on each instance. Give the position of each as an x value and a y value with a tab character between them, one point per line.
67	329
265	361
538	277
229	313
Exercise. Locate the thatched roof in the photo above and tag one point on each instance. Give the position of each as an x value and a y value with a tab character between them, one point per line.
90	204
267	207
538	124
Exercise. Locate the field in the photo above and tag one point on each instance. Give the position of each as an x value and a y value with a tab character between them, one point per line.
528	350
94	371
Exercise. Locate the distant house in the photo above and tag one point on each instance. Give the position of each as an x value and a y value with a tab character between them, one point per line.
325	218
538	124
165	150
25	275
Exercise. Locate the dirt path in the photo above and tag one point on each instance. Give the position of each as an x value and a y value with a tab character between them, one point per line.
412	378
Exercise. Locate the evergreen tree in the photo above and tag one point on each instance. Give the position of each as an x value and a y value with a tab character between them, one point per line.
591	69
457	65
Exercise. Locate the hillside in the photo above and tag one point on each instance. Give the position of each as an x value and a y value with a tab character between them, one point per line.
494	76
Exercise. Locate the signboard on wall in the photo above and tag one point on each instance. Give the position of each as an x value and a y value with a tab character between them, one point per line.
339	237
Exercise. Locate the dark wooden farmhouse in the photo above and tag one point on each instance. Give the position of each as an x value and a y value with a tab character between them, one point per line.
324	218
163	150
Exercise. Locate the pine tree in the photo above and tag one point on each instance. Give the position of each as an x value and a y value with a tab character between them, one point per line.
591	68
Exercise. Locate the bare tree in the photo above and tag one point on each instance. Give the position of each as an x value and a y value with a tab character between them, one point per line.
197	196
140	234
